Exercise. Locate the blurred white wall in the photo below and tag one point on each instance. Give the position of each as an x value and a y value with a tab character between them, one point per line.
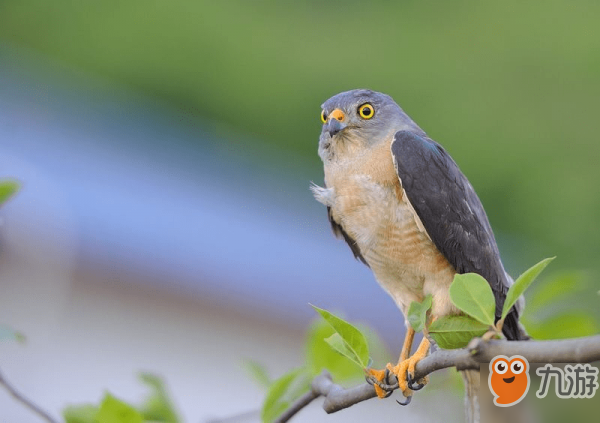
90	332
85	336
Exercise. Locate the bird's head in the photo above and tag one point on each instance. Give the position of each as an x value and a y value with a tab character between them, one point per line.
358	119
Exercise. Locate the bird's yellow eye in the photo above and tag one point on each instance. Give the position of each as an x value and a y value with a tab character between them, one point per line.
323	116
366	111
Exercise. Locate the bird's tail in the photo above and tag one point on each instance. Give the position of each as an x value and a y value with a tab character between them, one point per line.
472	382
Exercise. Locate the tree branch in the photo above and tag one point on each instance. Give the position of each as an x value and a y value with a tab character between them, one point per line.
578	350
27	403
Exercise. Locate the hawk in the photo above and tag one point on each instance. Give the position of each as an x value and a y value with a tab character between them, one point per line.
406	211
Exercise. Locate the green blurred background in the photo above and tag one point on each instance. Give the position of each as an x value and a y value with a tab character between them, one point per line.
511	89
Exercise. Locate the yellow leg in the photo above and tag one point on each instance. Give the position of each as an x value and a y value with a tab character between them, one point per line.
380	374
408	341
419	355
408	365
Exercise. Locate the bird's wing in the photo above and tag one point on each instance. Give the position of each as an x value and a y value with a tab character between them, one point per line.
450	211
339	232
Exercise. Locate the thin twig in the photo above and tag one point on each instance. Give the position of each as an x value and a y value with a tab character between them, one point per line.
27	403
578	350
299	404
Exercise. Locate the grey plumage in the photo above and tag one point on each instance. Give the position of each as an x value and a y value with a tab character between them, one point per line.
452	214
406	210
441	195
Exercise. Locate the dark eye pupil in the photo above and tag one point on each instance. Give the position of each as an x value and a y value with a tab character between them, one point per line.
366	111
501	367
517	367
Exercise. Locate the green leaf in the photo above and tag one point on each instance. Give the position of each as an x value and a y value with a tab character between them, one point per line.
11	334
353	338
8	188
378	352
522	283
319	355
336	342
417	313
472	294
282	392
80	414
113	410
258	372
455	331
157	407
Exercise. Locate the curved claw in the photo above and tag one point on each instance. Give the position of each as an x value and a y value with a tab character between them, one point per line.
416	387
386	376
411	383
386	379
384	384
371	381
408	399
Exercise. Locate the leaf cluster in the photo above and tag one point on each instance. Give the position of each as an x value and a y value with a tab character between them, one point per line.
156	408
332	344
469	292
472	294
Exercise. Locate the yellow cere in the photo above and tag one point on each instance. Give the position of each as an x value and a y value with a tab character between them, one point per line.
366	111
337	114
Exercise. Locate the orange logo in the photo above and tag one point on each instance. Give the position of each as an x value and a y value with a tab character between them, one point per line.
509	379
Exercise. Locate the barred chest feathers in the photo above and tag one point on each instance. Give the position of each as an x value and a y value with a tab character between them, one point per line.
367	200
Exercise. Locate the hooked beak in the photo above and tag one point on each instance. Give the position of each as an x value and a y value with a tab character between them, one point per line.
334	126
335	122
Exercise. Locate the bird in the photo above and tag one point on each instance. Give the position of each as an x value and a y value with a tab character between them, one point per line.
406	211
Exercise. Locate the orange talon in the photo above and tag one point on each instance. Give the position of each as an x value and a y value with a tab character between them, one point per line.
405	369
378	375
